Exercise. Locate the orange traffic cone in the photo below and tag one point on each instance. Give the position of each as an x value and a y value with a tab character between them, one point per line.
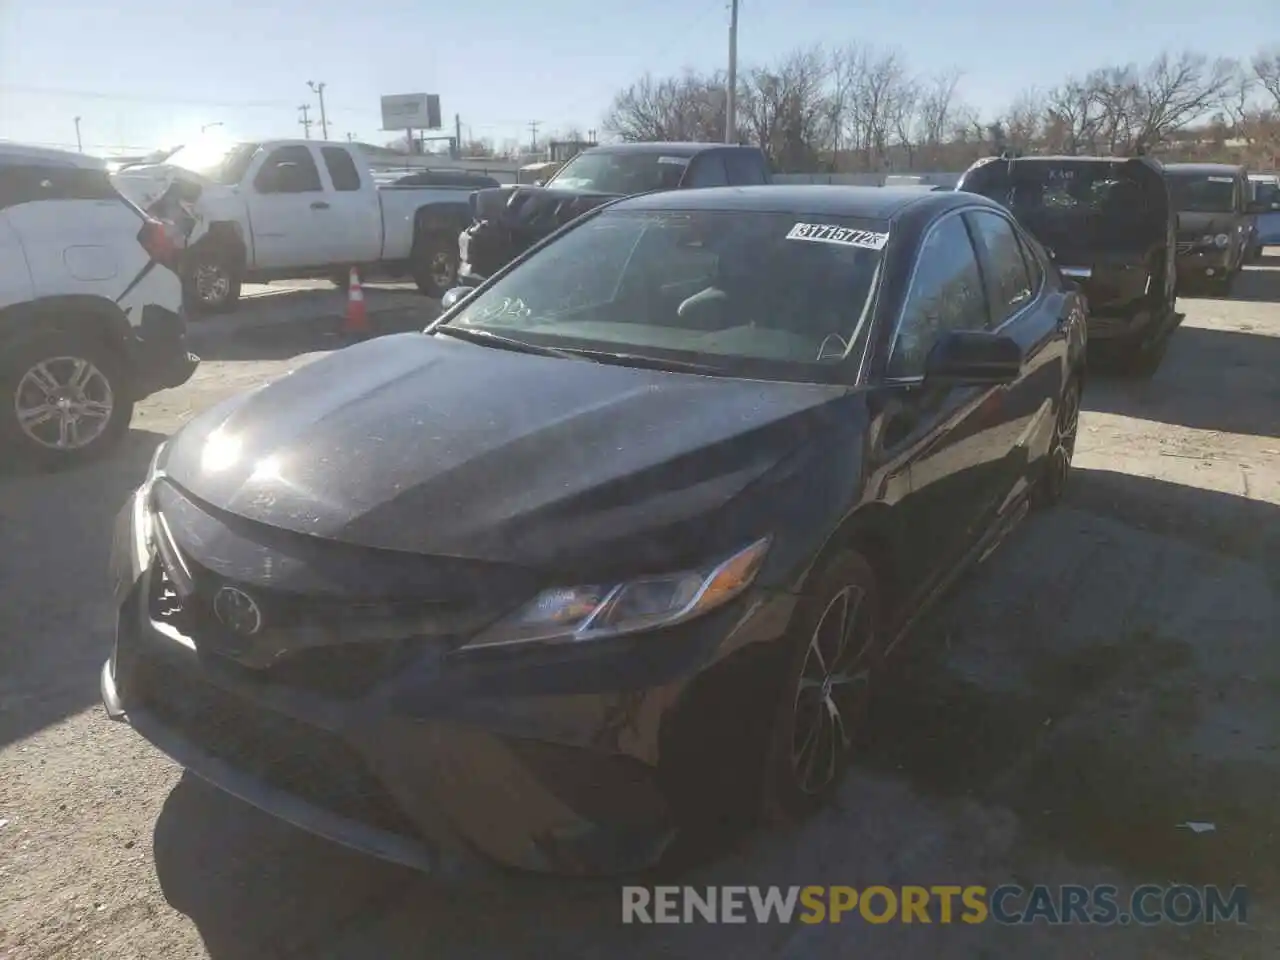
356	321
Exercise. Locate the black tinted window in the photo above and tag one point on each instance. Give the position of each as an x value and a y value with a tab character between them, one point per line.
945	294
746	168
288	170
342	169
708	171
22	183
1008	284
626	172
1200	193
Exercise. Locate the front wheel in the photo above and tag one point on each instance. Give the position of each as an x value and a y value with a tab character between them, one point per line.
822	710
64	399
211	281
434	263
1062	448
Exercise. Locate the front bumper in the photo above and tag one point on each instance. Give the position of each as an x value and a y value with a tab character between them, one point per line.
559	767
158	355
1202	262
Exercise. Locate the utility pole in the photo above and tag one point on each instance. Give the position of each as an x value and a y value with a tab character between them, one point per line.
306	121
79	145
533	135
731	93
318	90
351	137
457	132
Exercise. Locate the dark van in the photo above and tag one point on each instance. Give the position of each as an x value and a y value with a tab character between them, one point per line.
1214	204
1107	222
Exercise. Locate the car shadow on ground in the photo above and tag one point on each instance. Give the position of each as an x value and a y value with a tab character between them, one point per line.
1087	690
51	648
1209	379
1258	282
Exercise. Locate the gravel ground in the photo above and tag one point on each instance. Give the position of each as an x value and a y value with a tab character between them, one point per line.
1109	674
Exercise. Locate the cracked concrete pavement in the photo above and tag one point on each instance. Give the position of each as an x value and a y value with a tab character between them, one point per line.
1110	673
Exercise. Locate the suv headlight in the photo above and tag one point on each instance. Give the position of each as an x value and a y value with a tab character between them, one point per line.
1221	240
597	611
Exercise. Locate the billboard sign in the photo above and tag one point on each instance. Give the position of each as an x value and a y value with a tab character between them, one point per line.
411	111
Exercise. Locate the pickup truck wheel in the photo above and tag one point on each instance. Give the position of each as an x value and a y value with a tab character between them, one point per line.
435	264
211	281
64	399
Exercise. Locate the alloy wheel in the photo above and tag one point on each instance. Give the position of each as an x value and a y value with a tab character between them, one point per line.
832	694
1064	438
63	403
213	283
440	269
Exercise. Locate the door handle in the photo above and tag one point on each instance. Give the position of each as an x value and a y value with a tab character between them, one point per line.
319	205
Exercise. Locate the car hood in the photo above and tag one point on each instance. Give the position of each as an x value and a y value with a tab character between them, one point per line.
435	446
533	211
1193	226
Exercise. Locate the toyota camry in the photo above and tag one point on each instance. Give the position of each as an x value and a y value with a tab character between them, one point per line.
617	544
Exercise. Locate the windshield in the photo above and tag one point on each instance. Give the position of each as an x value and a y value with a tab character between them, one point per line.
622	173
1198	193
711	287
218	161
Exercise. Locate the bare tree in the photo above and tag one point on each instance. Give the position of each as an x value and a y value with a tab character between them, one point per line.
882	88
935	112
1266	69
688	107
785	110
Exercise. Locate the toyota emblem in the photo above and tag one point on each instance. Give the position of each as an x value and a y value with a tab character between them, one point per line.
237	611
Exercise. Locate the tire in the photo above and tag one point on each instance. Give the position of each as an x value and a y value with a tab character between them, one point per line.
1056	473
808	752
55	358
211	280
434	264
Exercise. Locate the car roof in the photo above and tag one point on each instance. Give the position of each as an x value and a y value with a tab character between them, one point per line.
21	153
870	203
1209	168
681	149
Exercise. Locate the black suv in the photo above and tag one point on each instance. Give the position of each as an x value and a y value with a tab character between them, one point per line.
506	221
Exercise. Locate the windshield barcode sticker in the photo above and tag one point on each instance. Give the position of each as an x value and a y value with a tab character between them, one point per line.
677	161
846	236
1221	180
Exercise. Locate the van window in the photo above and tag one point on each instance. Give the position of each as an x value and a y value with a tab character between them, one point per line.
1202	193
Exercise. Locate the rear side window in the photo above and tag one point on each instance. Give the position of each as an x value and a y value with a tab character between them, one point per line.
29	183
708	171
1008	283
342	169
745	167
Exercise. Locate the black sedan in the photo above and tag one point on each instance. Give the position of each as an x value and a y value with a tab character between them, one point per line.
614	547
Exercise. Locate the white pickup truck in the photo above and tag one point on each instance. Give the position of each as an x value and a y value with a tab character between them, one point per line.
278	209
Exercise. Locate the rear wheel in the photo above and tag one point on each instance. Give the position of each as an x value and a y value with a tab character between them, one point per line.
434	263
822	709
64	398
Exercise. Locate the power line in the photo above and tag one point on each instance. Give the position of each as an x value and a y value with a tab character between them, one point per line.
305	121
533	134
179	101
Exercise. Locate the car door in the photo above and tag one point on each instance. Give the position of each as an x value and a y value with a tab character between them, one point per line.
1025	308
947	435
289	211
356	211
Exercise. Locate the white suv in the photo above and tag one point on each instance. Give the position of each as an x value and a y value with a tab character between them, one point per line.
90	307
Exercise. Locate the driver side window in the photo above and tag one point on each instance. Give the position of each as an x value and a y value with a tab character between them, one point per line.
946	294
288	170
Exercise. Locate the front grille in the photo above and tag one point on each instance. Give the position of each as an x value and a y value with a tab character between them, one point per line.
307	762
344	670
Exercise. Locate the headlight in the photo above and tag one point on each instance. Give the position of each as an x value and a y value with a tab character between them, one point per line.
142	522
1221	240
596	611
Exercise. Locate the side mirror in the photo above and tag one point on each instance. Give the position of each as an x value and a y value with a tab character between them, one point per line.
973	357
454	296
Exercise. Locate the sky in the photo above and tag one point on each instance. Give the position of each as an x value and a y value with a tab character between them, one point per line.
147	73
